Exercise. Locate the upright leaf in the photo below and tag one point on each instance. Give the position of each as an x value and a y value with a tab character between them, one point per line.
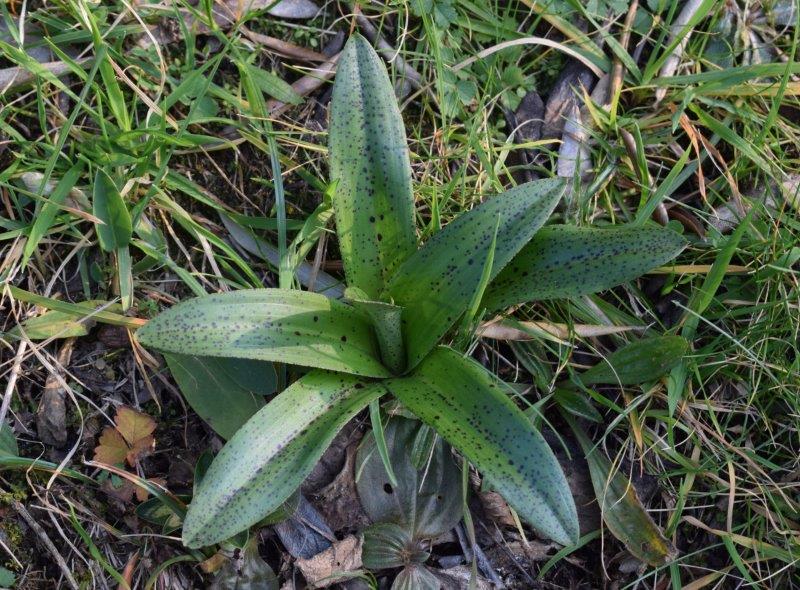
621	508
225	392
437	284
295	327
116	228
638	361
373	201
471	410
567	261
268	458
387	321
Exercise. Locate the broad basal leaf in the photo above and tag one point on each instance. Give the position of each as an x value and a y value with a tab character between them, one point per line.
416	577
116	228
388	545
639	361
268	458
225	392
567	261
373	202
436	285
471	410
295	327
246	571
621	508
427	499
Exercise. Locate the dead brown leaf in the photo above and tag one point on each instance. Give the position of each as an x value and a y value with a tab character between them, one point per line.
334	564
130	440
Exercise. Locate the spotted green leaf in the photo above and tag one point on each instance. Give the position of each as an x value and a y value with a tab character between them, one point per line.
437	284
373	201
225	392
268	458
638	361
567	261
295	327
471	410
116	228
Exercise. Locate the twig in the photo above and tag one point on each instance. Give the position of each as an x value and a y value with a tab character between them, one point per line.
618	70
12	380
500	331
26	516
283	47
531	41
307	84
389	53
671	63
13	78
483	561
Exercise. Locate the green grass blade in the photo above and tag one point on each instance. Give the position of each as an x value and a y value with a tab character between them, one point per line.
94	551
701	299
107	205
125	277
373	201
748	149
437	284
676	38
380	439
186	276
268	458
272	85
470	408
47	214
77	310
295	327
664	190
568	261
